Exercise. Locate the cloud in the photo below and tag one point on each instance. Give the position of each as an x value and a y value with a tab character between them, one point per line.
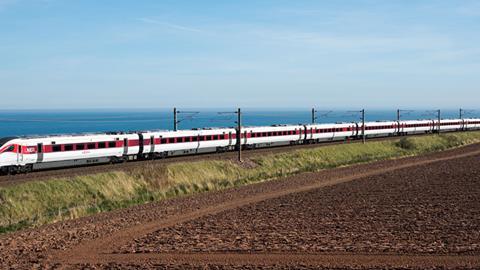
353	42
170	25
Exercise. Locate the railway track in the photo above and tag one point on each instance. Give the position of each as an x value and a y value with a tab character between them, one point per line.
7	180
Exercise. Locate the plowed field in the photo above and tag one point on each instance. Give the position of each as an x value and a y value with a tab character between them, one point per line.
432	209
412	213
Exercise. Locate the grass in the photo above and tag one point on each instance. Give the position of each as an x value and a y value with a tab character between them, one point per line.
40	202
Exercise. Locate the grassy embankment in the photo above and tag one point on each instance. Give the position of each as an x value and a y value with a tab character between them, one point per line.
36	203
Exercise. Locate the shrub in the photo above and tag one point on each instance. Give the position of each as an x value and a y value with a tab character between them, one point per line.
407	144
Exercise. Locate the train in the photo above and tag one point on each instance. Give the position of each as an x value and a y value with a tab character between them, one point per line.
27	154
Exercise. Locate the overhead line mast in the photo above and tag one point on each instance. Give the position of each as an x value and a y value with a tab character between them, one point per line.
239	131
239	122
314	117
363	126
175	117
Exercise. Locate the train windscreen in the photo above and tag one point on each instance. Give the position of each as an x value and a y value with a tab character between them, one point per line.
5	140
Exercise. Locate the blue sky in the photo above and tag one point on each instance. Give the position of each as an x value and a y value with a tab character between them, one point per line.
259	54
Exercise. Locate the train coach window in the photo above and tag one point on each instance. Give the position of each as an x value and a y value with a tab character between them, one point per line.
188	139
112	144
68	147
80	146
91	146
163	141
171	140
215	137
11	148
56	148
194	138
101	145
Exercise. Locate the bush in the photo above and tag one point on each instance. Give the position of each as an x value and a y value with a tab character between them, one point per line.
407	144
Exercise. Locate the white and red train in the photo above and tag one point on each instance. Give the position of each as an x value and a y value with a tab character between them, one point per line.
21	155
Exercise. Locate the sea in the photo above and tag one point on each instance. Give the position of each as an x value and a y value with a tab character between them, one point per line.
54	122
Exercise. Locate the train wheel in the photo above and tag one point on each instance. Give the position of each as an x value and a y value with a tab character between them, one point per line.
12	170
27	168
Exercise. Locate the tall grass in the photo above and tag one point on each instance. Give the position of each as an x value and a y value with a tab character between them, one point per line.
40	202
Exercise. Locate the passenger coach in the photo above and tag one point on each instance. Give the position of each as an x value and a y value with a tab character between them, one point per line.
19	155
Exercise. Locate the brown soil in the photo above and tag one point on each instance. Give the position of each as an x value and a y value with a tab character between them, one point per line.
409	213
419	210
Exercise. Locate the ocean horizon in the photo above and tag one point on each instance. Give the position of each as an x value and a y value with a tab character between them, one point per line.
64	121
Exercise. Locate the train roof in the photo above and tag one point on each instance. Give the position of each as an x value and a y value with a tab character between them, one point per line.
72	135
131	132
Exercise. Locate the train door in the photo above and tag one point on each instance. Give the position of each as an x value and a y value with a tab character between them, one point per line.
230	138
140	143
125	146
152	144
39	152
19	154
